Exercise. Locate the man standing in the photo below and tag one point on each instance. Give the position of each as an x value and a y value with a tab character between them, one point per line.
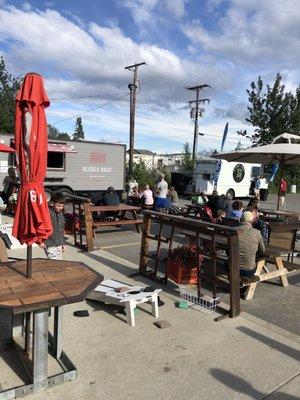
250	245
161	193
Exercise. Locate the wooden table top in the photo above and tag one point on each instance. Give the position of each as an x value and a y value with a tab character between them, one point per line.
53	283
279	212
120	207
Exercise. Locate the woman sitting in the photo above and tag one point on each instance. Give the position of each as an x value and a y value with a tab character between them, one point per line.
237	210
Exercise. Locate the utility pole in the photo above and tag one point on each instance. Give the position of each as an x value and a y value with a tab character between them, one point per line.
195	112
132	87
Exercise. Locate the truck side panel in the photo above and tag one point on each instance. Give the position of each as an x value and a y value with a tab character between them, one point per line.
93	166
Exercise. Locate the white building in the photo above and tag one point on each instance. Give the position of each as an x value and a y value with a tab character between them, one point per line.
172	161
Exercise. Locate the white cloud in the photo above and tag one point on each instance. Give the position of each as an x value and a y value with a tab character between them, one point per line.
253	31
143	10
95	59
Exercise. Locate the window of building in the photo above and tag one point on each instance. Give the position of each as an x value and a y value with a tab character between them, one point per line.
206	177
159	163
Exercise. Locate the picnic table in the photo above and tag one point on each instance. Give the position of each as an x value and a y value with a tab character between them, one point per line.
101	216
120	216
278	213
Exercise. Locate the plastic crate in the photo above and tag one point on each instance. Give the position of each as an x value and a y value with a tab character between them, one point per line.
207	305
180	273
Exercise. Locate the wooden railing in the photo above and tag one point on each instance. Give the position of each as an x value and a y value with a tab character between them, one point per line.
217	243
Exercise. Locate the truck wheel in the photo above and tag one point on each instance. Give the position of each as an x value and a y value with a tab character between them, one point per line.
230	193
48	193
65	191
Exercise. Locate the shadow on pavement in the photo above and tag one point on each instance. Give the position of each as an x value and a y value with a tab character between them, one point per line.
283	348
240	385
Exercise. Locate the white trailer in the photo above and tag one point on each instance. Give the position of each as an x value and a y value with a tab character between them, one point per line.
82	168
234	179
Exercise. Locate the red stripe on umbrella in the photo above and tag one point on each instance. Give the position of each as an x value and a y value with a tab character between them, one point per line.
32	223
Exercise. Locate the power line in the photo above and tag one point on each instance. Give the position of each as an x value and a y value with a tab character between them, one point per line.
82	97
91	109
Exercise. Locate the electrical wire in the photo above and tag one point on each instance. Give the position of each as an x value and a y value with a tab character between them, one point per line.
84	97
91	109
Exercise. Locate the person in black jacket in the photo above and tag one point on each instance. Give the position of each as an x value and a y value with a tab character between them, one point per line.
54	246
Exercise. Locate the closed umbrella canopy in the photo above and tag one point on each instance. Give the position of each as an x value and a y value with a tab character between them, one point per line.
32	220
285	149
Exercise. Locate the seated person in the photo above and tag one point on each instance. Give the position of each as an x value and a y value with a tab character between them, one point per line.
174	197
135	198
221	214
258	223
253	202
213	203
237	210
251	245
111	198
147	196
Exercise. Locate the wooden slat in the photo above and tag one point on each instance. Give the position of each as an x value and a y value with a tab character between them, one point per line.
121	207
130	221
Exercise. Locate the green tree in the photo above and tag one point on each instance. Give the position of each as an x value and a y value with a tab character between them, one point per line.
54	133
9	85
187	161
78	130
272	111
142	174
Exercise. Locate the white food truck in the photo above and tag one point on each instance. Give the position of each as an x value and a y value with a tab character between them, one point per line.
233	179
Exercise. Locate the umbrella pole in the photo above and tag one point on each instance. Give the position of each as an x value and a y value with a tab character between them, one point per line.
279	191
29	261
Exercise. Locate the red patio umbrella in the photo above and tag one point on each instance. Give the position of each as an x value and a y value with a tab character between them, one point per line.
32	223
6	149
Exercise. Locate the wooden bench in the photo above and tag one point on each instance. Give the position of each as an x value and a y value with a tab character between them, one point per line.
264	274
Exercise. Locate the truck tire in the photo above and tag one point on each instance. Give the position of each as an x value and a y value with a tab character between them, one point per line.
65	191
230	193
48	193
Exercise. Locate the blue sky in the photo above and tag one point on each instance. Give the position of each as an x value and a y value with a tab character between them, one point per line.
81	49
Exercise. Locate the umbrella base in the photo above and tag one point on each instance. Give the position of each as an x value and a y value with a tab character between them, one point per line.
35	366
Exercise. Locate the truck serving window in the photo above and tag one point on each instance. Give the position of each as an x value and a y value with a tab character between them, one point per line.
56	160
206	177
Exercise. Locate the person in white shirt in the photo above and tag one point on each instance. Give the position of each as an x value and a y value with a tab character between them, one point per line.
147	196
161	194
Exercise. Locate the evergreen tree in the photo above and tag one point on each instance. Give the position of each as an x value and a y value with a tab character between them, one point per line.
187	161
272	111
9	85
78	130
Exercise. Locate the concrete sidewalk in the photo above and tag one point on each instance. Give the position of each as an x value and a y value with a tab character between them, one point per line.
196	358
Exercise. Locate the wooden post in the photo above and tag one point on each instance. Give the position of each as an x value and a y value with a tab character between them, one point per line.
234	276
88	226
145	243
